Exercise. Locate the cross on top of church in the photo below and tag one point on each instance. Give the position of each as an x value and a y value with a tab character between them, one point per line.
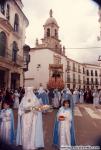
51	13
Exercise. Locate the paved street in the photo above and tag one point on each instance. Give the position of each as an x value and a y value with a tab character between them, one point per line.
87	125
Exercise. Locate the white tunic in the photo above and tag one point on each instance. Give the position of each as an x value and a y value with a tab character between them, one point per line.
76	96
64	127
96	98
81	97
16	100
56	100
30	130
7	126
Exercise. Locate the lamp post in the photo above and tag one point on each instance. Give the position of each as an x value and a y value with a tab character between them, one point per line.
26	50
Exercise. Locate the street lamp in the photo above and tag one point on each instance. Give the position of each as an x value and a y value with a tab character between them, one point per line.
26	50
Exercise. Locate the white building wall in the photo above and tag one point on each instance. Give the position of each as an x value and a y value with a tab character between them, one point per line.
34	76
43	57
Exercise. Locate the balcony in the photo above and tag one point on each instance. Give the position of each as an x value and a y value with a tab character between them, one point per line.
79	81
74	69
79	70
68	67
92	83
68	80
7	58
18	34
74	80
96	83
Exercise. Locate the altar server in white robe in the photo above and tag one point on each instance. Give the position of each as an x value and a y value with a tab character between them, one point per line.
7	124
96	98
67	94
30	130
76	96
16	99
57	98
42	94
64	135
81	96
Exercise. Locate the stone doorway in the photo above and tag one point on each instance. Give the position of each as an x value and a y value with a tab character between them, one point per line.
15	80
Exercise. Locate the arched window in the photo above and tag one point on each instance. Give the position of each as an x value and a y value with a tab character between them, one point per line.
96	81
14	51
16	23
56	33
87	80
96	73
2	6
87	72
92	81
83	70
8	12
48	32
91	72
3	42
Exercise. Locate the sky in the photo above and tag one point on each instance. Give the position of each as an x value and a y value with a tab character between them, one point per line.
78	22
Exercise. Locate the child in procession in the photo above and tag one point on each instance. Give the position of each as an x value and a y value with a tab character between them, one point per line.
64	127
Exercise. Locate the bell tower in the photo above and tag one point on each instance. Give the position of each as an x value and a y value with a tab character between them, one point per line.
51	27
51	37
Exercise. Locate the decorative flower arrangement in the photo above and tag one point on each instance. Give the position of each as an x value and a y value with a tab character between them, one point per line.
44	107
39	108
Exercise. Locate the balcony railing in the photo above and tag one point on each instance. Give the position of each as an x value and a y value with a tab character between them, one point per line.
96	83
18	34
68	80
92	83
74	80
99	75
8	58
79	70
74	69
87	83
79	81
68	67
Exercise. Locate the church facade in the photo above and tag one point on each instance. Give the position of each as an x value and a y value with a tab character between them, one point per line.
50	66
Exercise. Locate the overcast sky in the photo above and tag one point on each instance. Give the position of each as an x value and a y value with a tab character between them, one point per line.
78	22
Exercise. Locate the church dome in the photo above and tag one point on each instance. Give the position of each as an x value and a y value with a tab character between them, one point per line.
51	20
